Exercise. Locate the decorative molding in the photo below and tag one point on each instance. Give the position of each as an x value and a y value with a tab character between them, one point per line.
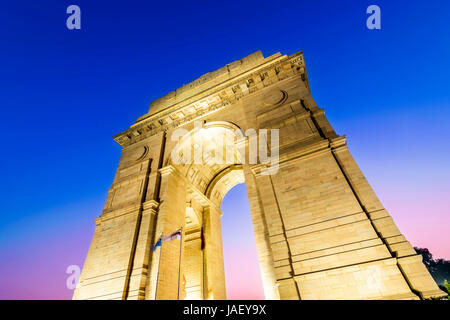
219	97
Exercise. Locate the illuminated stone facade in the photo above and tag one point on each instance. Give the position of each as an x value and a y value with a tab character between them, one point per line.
320	230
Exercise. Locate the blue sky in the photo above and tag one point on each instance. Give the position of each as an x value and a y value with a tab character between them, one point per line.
66	93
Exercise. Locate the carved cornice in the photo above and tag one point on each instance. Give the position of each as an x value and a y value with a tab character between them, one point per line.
215	98
150	205
340	142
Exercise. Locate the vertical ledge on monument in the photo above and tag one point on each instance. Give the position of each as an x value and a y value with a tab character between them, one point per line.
141	240
261	232
157	145
170	217
138	277
409	262
193	259
282	258
214	263
137	281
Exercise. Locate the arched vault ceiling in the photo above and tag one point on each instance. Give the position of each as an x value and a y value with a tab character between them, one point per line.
213	169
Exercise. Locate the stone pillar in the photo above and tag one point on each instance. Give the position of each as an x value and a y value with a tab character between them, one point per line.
214	265
164	284
193	265
281	252
140	267
261	231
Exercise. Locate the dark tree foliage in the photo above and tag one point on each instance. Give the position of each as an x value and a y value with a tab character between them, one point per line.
439	268
447	287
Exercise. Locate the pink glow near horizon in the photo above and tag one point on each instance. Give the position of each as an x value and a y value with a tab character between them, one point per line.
422	216
242	274
35	253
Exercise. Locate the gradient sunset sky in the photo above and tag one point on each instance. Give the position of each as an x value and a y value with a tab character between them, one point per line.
66	93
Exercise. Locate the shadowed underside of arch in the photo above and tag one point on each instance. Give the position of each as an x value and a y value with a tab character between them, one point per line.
207	153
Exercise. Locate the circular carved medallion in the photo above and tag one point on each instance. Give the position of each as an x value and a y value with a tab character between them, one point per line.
141	153
274	97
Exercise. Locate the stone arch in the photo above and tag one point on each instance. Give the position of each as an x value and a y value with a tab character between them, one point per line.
223	182
206	184
317	221
202	174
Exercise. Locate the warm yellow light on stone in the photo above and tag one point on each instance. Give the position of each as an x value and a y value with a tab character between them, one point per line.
320	230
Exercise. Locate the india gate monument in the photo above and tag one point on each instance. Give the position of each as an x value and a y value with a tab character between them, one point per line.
320	230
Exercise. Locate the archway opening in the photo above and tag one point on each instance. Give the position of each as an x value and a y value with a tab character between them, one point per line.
220	261
242	272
